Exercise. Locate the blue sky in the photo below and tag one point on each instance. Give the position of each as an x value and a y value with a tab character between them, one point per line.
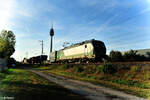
120	24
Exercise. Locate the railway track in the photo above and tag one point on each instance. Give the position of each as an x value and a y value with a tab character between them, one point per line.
101	63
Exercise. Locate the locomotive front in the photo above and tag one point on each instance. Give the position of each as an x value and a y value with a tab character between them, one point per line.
99	50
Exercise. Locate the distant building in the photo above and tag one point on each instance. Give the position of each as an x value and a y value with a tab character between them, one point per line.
145	52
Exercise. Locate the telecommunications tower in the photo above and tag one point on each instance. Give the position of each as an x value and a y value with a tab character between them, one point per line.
51	40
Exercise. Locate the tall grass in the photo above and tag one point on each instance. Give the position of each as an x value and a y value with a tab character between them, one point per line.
131	78
79	68
108	69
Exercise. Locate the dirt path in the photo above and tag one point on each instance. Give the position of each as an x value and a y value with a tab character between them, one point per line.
91	91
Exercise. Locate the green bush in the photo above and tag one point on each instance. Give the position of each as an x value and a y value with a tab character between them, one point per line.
67	66
11	61
90	69
133	55
108	69
5	70
79	68
98	68
115	56
135	68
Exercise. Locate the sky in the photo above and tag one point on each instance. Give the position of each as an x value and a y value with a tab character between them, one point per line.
121	24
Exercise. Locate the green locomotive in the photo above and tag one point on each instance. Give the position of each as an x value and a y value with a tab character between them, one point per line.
90	50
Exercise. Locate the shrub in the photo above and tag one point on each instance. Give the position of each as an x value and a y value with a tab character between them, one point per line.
134	68
115	56
98	69
107	59
132	55
11	61
108	69
67	66
90	69
5	70
145	68
79	68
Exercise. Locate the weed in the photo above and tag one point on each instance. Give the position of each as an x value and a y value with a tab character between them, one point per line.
98	69
79	68
90	69
67	66
5	70
134	68
145	68
91	77
108	69
82	75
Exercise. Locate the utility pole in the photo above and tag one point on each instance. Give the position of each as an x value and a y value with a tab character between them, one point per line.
51	43
42	46
41	50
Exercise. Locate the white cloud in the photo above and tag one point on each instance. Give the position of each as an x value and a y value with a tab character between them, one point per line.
6	13
145	10
24	13
105	25
102	4
23	10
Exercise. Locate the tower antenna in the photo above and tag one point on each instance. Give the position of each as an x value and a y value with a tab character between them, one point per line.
52	24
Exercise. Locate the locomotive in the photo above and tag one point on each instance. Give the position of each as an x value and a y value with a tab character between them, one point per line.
86	51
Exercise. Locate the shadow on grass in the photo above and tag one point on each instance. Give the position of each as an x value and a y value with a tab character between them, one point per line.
28	91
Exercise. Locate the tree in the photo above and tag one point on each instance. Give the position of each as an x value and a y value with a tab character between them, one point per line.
7	44
115	56
130	55
133	55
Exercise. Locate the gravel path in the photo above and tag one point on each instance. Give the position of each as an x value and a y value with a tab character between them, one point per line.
89	90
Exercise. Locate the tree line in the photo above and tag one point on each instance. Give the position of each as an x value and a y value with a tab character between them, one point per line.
132	55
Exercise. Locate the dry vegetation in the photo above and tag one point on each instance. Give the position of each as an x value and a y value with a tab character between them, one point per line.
134	79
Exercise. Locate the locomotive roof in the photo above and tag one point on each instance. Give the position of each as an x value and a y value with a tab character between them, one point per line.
87	41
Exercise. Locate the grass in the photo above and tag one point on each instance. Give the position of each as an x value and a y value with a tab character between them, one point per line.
24	85
131	79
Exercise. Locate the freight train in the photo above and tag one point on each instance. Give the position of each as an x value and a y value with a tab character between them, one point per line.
36	59
86	51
